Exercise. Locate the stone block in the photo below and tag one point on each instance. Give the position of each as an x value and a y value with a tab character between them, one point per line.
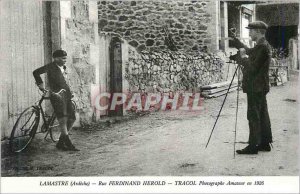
111	7
179	26
93	11
133	3
149	42
65	9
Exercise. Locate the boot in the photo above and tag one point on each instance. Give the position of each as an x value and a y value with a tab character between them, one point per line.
264	147
61	144
69	144
250	149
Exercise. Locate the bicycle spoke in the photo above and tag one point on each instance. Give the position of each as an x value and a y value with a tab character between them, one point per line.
27	120
54	129
24	129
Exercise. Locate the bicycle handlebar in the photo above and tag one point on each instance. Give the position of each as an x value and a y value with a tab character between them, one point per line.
45	91
57	95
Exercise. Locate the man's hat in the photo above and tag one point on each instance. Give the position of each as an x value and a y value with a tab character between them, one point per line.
257	25
59	53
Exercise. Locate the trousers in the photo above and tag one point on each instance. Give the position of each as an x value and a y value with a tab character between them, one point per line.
258	118
63	107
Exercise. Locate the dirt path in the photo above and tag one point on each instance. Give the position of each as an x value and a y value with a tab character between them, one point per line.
171	143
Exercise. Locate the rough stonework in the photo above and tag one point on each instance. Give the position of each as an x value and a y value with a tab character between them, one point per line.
168	71
151	65
141	23
79	35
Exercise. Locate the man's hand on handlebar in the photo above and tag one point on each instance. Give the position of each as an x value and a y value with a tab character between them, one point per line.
43	89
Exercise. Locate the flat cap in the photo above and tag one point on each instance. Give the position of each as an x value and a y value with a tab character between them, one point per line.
257	25
59	53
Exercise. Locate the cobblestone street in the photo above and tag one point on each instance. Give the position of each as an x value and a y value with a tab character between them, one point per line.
171	143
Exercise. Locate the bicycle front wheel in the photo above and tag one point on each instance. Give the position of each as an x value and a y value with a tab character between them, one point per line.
24	129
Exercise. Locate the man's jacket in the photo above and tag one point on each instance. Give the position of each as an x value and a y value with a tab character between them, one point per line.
256	67
56	79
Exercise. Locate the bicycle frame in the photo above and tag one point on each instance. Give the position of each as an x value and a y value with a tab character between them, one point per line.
47	125
46	121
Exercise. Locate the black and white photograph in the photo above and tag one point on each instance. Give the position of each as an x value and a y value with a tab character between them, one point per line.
149	96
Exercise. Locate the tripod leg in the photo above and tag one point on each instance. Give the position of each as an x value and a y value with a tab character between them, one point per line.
236	113
222	105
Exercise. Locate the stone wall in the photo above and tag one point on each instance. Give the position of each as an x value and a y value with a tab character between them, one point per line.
192	24
79	37
168	71
150	65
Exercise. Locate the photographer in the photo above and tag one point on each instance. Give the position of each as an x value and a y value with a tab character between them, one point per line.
255	67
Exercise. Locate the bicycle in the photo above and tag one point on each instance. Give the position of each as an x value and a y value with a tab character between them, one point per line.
27	124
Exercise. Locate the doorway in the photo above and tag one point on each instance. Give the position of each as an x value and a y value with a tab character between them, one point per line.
115	54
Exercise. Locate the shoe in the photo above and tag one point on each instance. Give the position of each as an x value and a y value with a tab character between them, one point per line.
248	150
61	145
264	147
69	145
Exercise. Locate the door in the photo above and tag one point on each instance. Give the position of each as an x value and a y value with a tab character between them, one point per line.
22	51
115	73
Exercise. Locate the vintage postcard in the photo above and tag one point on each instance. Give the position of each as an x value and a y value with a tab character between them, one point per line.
149	96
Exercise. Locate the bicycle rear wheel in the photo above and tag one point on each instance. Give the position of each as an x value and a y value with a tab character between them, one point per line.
54	129
24	129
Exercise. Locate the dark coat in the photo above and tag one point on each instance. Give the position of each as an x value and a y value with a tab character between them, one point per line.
56	79
256	67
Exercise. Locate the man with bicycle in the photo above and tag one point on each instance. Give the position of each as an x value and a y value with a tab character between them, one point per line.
62	105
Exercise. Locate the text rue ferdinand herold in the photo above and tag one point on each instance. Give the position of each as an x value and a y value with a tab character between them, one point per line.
148	183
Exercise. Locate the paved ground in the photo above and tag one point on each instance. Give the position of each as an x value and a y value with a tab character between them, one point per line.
171	144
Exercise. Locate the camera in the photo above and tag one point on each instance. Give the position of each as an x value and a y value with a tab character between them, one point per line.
234	57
